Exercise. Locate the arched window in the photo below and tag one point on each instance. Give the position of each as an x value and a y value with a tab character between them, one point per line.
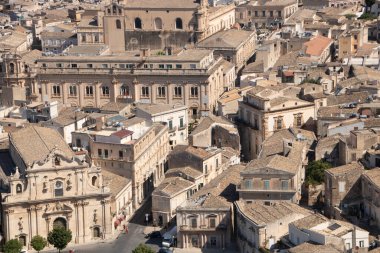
138	23
18	188
57	161
118	24
178	24
124	90
96	232
94	180
158	24
58	189
105	91
12	68
60	222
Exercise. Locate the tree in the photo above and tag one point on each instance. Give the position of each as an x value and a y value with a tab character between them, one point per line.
142	248
315	172
311	80
38	243
13	246
59	237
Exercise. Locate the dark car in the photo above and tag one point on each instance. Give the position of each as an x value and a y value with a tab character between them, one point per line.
165	250
155	234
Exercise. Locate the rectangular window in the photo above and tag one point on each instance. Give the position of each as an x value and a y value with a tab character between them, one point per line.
106	153
248	184
89	66
271	13
279	123
121	154
170	124
178	66
181	122
194	223
212	223
263	13
169	66
130	66
279	13
266	184
145	91
194	92
361	244
342	186
193	66
122	66
284	185
99	152
74	65
177	91
104	65
161	66
59	65
206	169
161	92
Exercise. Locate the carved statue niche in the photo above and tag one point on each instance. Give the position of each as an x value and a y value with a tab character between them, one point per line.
20	224
95	216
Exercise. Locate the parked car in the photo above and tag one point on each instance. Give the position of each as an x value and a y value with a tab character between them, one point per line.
155	234
165	250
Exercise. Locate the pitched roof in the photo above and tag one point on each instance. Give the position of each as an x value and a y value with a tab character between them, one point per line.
262	214
122	133
351	168
373	176
115	182
317	45
219	192
198	152
314	248
172	186
36	143
275	162
231	38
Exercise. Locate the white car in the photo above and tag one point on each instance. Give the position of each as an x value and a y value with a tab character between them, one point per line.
24	251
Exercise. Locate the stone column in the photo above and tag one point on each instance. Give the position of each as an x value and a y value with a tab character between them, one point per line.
81	91
64	92
115	90
97	94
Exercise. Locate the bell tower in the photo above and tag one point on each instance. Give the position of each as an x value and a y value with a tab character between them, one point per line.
202	20
114	27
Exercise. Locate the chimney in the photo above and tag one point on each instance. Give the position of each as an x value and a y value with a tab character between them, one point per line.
145	52
168	50
99	123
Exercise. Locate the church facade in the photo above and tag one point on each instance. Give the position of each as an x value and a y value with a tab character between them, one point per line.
61	189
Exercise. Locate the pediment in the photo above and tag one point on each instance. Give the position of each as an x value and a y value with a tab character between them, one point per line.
55	157
57	208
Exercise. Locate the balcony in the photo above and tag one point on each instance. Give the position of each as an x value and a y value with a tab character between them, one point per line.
259	190
173	129
182	127
202	228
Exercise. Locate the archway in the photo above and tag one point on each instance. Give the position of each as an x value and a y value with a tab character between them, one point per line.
96	232
60	222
